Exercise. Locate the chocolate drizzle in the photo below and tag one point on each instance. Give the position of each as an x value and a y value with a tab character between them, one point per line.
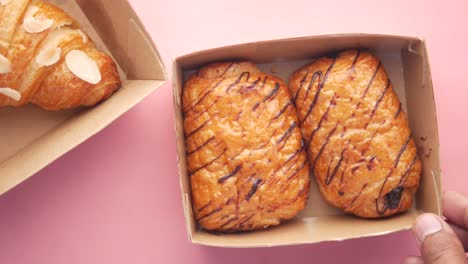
247	218
199	101
357	196
397	160
319	125
264	81
298	170
209	163
204	95
382	210
330	178
254	108
201	146
247	74
233	173
204	207
290	103
229	222
197	129
320	87
257	104
378	103
296	153
371	80
324	145
227	69
272	93
370	164
398	111
205	110
246	89
303	81
315	76
253	190
238	115
353	65
380	98
209	214
288	132
408	171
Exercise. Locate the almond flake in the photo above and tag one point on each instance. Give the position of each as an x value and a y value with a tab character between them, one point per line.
48	57
31	11
33	24
13	94
5	2
83	35
5	65
83	67
64	24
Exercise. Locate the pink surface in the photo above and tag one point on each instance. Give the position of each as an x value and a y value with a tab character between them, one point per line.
116	199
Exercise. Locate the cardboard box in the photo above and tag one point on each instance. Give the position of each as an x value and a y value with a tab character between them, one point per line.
32	138
407	64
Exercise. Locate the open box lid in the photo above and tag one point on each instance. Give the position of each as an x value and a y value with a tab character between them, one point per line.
33	138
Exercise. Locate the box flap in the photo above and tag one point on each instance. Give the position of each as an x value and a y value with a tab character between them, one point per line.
68	134
308	231
126	38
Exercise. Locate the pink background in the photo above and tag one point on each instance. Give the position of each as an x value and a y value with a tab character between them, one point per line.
116	199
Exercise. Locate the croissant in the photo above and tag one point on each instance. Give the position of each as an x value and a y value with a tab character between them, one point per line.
47	60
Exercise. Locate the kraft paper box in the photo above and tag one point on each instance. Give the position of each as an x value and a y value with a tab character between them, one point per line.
32	138
407	64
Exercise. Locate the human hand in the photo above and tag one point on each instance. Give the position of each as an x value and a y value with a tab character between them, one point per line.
441	241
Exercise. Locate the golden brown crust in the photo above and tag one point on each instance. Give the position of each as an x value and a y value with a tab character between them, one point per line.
246	161
357	136
50	87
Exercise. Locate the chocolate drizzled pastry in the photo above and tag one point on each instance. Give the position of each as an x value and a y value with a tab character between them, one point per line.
246	157
357	136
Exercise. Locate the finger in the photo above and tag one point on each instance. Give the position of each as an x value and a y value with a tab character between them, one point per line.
439	244
462	234
413	260
455	208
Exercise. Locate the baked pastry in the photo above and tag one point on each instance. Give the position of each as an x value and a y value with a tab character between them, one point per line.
245	153
357	135
45	59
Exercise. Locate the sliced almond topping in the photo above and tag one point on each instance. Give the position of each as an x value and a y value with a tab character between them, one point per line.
13	94
5	2
64	24
48	57
5	65
31	11
32	24
83	36
83	67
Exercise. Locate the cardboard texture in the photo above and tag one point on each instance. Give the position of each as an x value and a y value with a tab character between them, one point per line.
406	62
32	138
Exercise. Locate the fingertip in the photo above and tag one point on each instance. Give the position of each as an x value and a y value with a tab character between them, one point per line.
413	260
447	195
439	244
453	196
426	225
455	207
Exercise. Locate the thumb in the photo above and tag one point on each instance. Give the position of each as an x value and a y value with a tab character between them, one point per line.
439	244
